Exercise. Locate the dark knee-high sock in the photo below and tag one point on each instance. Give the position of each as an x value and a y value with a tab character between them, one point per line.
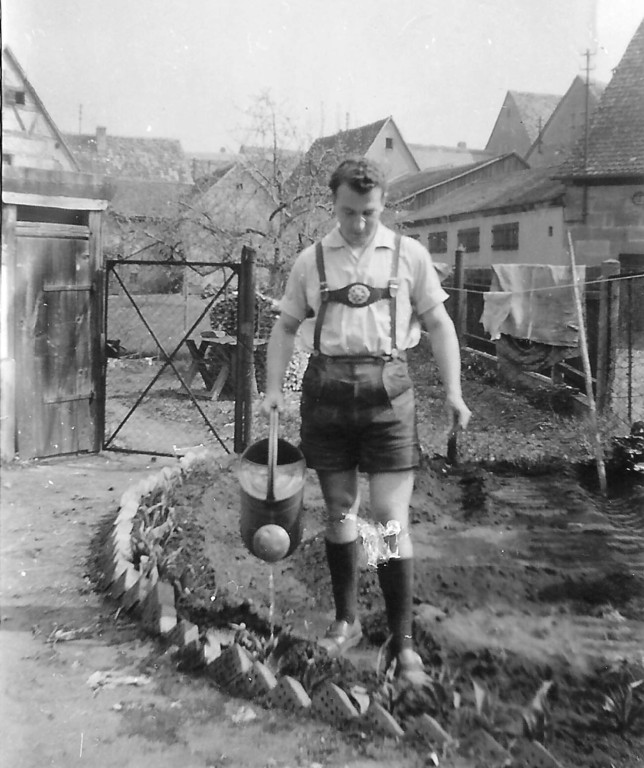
396	578
343	567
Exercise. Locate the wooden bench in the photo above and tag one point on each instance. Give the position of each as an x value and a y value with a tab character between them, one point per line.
214	357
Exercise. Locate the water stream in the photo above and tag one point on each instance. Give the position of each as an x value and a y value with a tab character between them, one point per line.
271	599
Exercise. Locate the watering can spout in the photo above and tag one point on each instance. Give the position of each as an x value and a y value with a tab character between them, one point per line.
271	478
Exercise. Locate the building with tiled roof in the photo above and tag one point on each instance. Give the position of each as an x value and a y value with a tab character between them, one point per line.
417	190
518	218
30	138
204	165
149	177
435	156
151	200
307	191
520	120
243	204
605	176
616	137
130	157
380	141
566	125
51	315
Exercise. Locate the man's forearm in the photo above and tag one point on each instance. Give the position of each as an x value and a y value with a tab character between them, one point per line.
447	353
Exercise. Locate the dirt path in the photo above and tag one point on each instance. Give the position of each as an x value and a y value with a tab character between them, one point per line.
51	716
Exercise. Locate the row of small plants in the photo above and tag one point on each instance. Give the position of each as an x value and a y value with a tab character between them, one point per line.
452	694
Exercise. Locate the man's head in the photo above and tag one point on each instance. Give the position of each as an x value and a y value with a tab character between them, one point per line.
358	186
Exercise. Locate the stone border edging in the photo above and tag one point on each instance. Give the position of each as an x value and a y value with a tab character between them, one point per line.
152	600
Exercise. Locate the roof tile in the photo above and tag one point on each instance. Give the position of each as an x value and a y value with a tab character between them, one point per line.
616	137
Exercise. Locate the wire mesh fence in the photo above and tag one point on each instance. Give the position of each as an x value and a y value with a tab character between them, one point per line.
626	377
170	378
613	310
158	383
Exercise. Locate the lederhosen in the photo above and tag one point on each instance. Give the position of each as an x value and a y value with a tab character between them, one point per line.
356	379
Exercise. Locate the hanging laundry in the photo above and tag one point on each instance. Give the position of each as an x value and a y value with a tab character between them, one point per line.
534	302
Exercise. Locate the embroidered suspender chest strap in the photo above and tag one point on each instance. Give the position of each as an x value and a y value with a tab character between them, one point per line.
356	294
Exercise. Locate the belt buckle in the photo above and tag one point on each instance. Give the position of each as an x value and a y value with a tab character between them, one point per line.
358	294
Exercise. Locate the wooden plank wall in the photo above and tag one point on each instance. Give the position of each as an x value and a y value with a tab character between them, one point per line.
56	319
7	324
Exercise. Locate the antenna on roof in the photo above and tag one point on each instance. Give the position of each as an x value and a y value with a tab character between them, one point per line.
539	133
80	119
587	56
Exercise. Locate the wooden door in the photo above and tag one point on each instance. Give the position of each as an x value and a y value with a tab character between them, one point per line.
57	322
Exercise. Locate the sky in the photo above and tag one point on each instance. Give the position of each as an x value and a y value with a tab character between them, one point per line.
192	69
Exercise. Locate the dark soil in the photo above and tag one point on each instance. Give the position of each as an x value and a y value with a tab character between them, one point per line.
523	575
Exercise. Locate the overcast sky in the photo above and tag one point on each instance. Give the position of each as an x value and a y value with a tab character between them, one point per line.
189	69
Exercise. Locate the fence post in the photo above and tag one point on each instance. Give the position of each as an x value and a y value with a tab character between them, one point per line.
245	350
460	304
606	330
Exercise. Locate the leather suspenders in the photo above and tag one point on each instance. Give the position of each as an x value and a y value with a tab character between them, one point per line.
356	295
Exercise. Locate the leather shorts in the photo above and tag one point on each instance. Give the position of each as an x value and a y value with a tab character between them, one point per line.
358	412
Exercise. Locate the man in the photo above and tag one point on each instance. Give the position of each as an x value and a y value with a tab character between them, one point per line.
359	298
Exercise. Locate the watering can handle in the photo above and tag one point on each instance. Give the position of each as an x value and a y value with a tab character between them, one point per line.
272	453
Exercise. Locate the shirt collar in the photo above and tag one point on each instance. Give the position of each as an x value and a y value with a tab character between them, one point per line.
384	238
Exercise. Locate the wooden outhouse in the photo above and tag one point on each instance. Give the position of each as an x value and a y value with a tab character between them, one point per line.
51	316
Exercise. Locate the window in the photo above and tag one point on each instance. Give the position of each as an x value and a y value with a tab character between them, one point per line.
469	239
550	231
389	143
7	159
505	237
437	242
14	96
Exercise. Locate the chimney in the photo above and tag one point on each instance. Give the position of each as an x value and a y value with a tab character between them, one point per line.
101	139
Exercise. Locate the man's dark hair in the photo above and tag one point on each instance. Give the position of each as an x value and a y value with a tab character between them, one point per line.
360	174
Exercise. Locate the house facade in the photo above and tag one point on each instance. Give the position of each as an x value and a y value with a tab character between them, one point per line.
605	213
149	179
416	191
605	177
515	219
520	121
30	138
438	156
244	204
566	125
381	142
51	289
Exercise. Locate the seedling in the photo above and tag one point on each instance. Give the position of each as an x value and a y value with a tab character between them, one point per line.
624	704
487	712
537	716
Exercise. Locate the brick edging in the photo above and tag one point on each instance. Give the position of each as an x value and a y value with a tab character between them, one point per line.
152	601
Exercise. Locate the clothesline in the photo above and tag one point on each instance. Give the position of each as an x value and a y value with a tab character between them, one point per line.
552	287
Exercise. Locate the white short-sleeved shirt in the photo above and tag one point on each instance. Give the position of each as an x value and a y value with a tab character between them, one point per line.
363	330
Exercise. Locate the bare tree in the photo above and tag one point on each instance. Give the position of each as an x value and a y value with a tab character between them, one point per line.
274	198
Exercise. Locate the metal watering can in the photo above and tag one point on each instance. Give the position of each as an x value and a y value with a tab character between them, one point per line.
271	478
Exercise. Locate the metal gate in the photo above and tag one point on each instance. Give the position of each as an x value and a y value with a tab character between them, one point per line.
164	392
